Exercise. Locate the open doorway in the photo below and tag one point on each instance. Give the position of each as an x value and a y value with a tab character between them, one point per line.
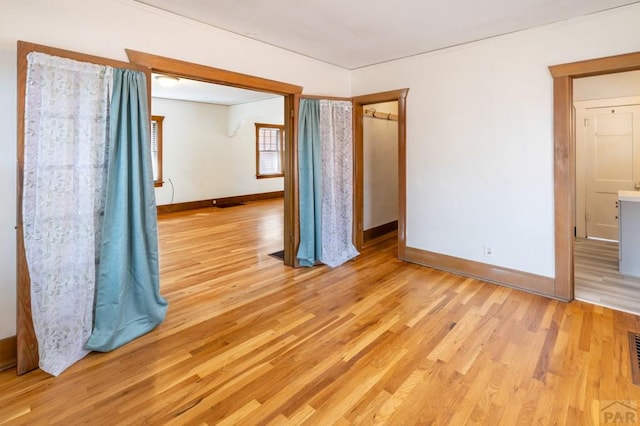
210	152
217	147
398	98
607	160
181	69
564	158
380	169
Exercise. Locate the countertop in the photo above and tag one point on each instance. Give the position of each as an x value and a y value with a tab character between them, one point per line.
629	196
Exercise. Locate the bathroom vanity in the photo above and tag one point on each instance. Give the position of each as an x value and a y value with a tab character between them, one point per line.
629	232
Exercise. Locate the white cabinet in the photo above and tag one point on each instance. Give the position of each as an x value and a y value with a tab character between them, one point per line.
629	229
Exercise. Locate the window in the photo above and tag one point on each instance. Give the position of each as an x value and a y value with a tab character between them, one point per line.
269	150
156	149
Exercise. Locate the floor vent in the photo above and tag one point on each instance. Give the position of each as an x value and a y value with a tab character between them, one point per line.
229	204
278	255
634	352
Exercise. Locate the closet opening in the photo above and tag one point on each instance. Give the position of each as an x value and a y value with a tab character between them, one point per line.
380	184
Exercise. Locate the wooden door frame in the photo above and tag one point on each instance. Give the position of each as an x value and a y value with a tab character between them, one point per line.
359	102
564	157
26	344
290	92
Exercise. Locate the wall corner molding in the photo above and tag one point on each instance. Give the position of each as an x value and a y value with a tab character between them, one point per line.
377	231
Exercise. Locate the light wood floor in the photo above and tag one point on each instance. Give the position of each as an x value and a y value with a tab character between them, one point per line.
250	341
597	279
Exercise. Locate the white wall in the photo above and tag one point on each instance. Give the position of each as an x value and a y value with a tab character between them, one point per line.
480	136
105	28
380	169
242	117
209	151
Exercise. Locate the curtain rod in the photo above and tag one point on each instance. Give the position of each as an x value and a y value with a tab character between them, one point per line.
371	112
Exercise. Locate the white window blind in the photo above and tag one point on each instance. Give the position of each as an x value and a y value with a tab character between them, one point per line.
269	151
154	148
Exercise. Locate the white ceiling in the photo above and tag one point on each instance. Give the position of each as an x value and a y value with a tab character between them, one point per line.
357	33
197	91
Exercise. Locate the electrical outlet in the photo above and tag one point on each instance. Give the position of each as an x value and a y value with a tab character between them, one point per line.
488	250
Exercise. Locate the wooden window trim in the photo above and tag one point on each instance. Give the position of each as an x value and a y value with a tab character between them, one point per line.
282	158
159	182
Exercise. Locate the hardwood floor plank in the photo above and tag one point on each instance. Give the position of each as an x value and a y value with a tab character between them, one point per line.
375	341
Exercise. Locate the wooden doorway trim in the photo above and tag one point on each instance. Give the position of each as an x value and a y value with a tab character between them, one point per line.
26	343
358	170
208	74
564	156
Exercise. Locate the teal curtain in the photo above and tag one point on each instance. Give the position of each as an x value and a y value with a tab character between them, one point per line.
310	182
128	302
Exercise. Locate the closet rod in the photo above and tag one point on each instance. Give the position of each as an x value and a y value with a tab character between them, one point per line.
371	112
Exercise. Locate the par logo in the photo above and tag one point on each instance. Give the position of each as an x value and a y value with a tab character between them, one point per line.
619	412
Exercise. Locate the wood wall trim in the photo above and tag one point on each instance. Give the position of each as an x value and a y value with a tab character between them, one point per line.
494	274
564	195
291	200
564	157
358	174
26	343
402	172
191	70
381	97
605	65
377	231
187	205
326	98
8	353
358	212
77	56
213	202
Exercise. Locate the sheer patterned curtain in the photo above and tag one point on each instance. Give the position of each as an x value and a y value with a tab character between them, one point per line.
336	134
66	143
88	207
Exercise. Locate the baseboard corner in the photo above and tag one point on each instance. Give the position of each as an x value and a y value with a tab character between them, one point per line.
8	353
520	280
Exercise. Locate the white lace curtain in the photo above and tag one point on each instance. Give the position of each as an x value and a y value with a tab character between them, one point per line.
336	134
65	152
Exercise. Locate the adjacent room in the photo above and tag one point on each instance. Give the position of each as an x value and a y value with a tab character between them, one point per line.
607	110
217	142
